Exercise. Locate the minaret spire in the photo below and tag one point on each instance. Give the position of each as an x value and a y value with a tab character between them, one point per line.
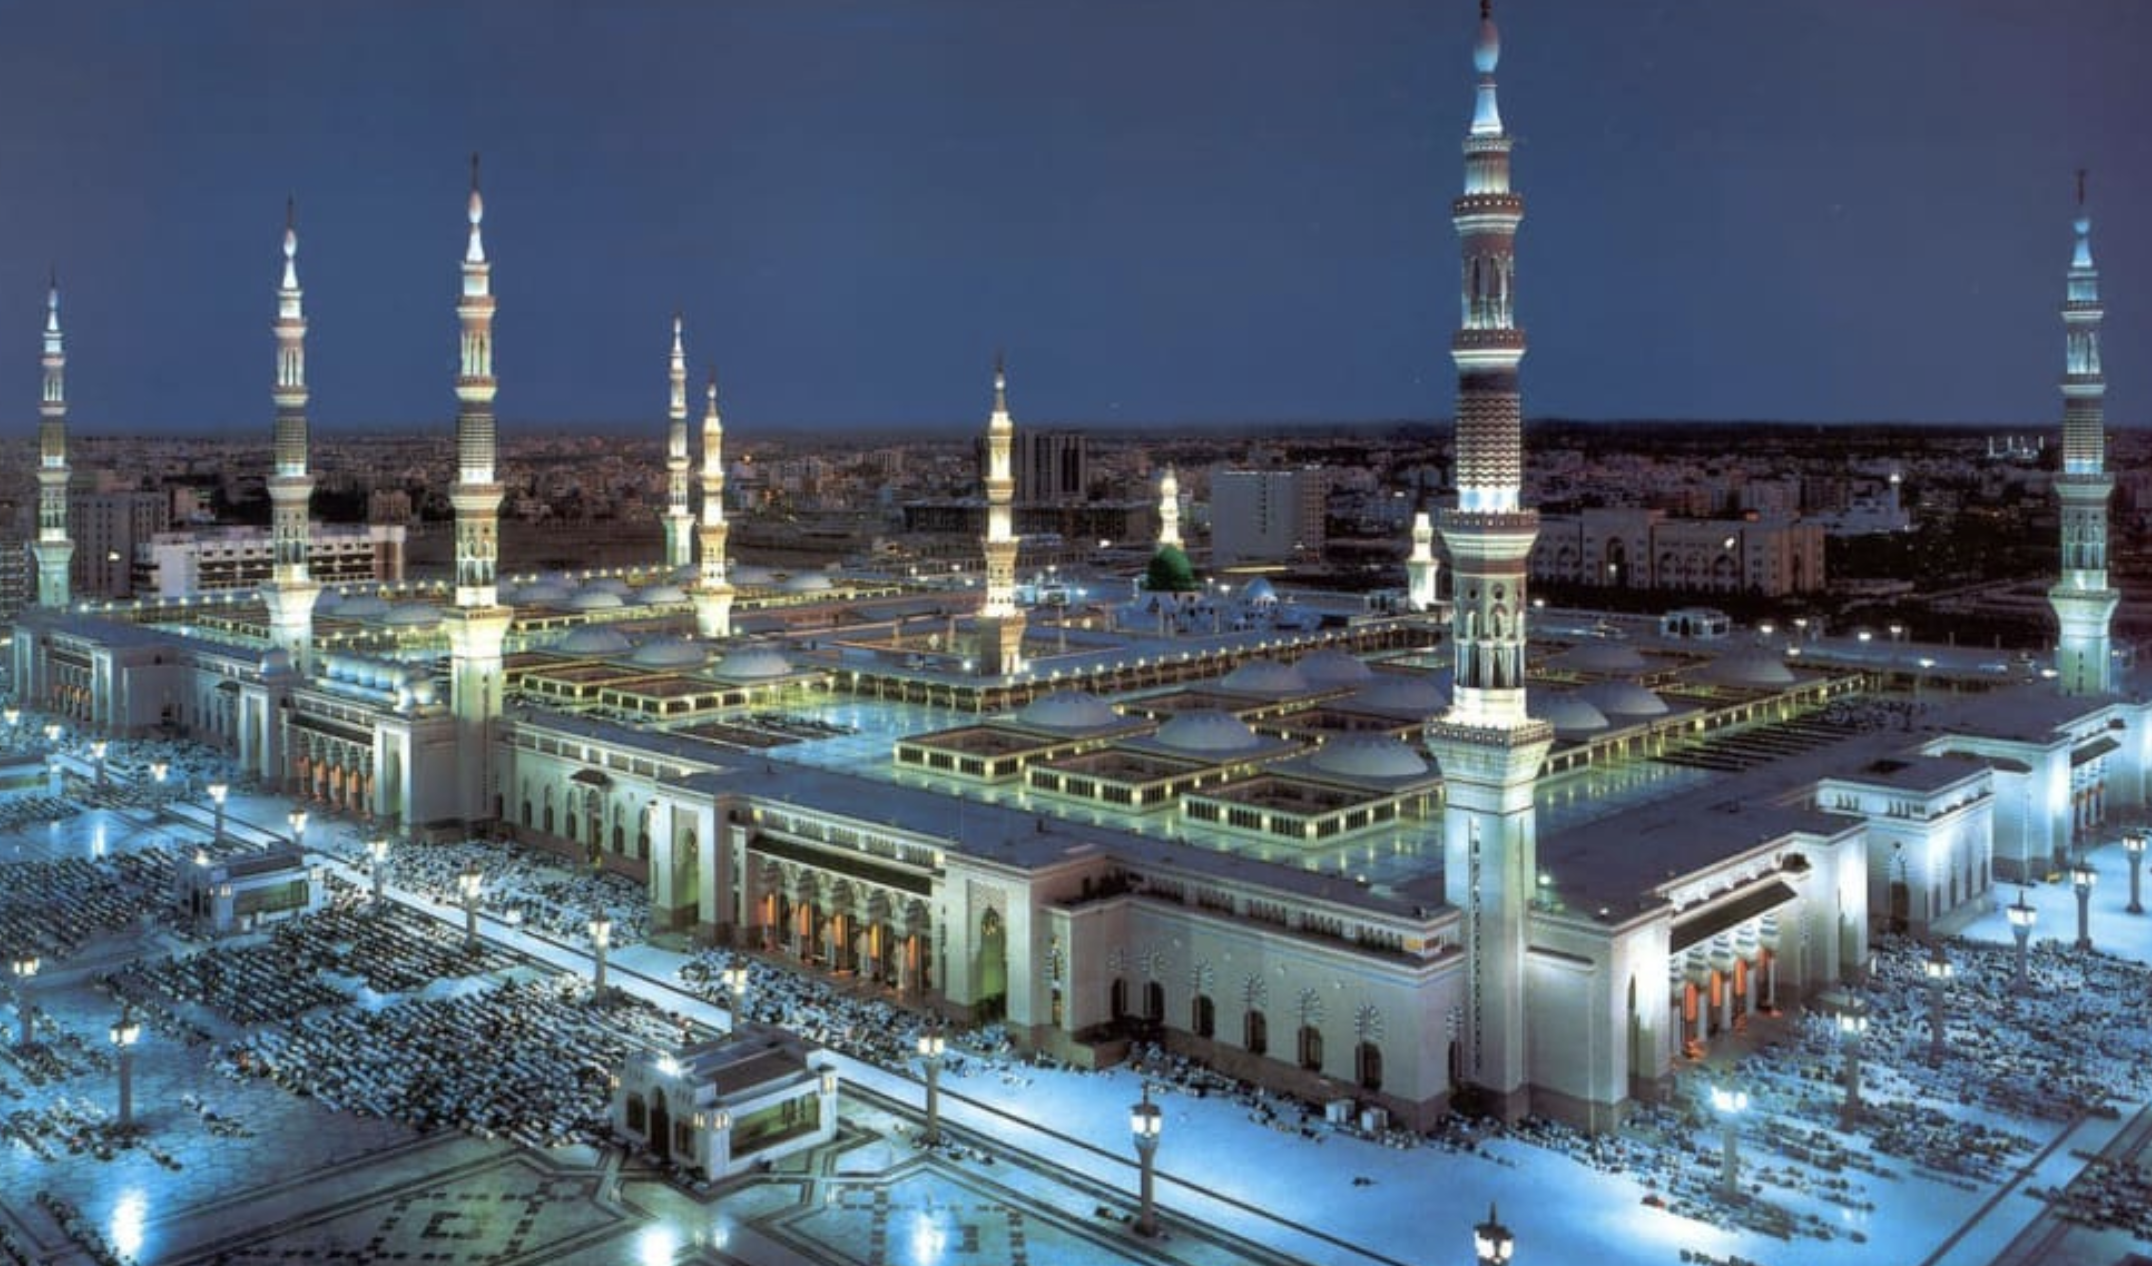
1001	622
1169	510
2083	601
53	550
679	540
713	590
290	593
478	624
1489	749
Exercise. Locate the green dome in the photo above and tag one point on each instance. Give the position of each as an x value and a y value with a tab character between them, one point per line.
1170	572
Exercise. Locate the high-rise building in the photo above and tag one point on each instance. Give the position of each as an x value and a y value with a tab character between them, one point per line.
1052	467
1270	516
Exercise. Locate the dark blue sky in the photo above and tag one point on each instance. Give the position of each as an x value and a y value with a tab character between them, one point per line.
1203	210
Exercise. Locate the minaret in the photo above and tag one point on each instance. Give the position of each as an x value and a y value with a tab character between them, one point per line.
478	623
1001	621
53	550
1169	510
1488	748
713	592
1421	566
679	540
290	593
2084	605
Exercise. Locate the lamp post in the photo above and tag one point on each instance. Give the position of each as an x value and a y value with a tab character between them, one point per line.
1852	1023
2022	916
1937	969
1145	1120
377	849
22	967
470	883
2082	878
735	978
2133	847
297	821
52	733
97	759
1492	1243
931	1047
158	771
125	1033
217	792
1731	1104
601	935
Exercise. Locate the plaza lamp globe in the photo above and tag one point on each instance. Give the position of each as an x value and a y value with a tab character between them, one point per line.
1491	1241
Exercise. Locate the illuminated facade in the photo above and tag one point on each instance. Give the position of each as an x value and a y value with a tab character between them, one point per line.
291	592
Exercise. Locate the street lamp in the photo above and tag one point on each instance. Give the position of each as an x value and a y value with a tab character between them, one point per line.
22	967
1852	1023
378	850
125	1033
470	883
1144	1122
2133	847
158	770
1492	1243
217	792
735	979
1937	969
931	1046
2082	877
1731	1104
297	819
52	733
97	758
2022	916
601	935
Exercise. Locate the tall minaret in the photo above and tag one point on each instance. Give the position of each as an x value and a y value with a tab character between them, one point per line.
478	623
290	593
1001	621
1421	566
679	540
713	592
53	550
2084	605
1169	510
1488	748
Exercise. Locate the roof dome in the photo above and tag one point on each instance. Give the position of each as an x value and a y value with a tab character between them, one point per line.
1259	592
328	600
593	639
606	584
543	593
1623	698
1369	756
366	606
1405	692
806	582
1570	715
1207	730
748	574
657	594
1600	657
685	573
413	615
743	663
1265	677
666	652
1754	671
1170	572
1333	667
1068	710
276	661
593	600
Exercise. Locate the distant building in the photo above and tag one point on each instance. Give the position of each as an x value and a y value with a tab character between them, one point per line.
106	528
1052	467
217	560
1644	549
1266	515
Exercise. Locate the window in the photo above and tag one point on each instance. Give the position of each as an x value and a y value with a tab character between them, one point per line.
1206	1016
1255	1032
1367	1066
1118	1001
1311	1048
1154	1002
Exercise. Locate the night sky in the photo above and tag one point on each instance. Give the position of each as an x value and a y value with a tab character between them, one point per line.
1167	211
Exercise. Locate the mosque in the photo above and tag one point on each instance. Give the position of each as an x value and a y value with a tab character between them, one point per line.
1418	859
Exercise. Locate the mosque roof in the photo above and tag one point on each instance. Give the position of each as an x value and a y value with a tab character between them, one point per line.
1374	756
1069	710
753	663
1330	668
1264	677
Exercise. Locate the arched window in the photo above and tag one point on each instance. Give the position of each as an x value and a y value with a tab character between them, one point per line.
1367	1065
1206	1016
1255	1032
1154	1002
1118	998
1311	1048
636	1114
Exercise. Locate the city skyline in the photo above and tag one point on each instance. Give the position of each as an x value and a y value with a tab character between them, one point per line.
1190	217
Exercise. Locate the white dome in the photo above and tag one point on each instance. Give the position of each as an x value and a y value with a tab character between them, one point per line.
807	582
1265	677
328	600
413	615
1207	730
1406	692
1259	593
1369	756
657	594
1600	657
1623	698
1331	668
594	600
667	652
1758	671
544	593
275	662
364	607
1568	714
685	573
606	584
745	663
593	639
422	692
1068	710
748	574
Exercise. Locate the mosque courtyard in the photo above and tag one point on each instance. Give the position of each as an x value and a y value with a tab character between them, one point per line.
359	1084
